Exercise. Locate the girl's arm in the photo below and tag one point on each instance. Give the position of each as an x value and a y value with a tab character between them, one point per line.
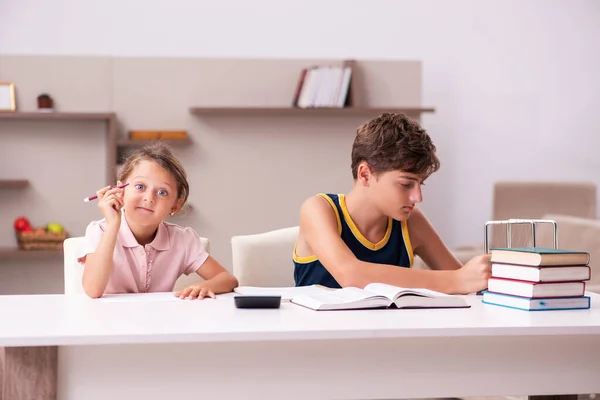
98	265
216	280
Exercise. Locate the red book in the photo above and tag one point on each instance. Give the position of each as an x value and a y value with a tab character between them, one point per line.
536	289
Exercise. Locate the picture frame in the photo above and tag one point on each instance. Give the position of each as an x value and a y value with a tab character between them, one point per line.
7	97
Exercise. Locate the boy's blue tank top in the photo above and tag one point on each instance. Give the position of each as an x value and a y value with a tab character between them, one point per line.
393	249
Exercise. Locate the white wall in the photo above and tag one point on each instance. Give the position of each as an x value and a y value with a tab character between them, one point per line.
514	82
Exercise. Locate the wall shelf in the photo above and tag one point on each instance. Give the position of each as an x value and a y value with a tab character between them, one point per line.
33	115
13	183
17	254
109	118
295	111
140	142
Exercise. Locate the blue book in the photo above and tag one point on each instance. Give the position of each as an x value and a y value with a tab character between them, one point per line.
539	304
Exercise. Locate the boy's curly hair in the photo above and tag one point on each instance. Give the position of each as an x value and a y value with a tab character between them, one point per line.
392	142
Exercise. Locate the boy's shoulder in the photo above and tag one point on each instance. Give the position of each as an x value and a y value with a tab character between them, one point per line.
318	200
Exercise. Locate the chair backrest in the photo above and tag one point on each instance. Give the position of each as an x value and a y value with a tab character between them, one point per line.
533	200
581	234
265	259
73	270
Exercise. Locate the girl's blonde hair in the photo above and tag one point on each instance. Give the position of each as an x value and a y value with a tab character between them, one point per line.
160	153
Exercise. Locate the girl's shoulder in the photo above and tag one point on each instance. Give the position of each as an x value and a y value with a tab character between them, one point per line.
97	225
175	229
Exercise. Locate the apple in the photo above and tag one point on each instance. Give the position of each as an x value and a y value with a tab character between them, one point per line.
54	227
21	224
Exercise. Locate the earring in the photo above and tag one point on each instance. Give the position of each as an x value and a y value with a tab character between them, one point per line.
172	213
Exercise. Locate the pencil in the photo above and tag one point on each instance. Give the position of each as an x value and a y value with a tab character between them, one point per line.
94	197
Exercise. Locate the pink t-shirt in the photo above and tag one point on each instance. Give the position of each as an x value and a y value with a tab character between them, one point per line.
155	267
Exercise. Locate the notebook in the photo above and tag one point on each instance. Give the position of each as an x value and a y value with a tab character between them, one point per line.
286	293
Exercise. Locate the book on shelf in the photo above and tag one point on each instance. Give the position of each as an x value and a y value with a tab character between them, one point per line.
537	304
374	295
539	256
550	273
323	86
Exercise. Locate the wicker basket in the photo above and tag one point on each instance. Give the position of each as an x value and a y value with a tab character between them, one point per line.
41	240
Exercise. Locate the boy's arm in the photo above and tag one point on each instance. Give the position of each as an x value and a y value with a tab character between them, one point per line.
428	245
318	225
98	265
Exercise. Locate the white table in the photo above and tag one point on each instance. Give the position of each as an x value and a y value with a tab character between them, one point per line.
210	349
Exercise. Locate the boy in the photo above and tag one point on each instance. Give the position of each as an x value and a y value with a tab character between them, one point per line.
373	233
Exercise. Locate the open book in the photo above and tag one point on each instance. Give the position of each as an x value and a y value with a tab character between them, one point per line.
376	295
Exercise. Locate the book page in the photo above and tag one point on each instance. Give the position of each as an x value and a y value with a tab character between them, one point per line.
340	296
392	292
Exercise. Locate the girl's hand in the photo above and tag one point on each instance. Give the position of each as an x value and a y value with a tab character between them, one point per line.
110	203
195	292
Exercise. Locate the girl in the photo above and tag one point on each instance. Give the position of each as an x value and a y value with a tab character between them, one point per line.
133	250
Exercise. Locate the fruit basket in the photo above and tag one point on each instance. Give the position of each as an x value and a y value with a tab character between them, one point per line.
41	240
50	237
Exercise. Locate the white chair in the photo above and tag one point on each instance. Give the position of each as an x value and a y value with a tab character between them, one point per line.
73	270
264	259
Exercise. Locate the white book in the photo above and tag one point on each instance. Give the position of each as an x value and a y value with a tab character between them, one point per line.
541	274
376	295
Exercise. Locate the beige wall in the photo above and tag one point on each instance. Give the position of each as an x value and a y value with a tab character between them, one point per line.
247	174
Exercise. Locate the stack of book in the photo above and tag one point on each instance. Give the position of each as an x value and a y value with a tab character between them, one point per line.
537	279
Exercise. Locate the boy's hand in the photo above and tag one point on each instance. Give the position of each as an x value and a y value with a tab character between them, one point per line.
474	275
110	203
195	292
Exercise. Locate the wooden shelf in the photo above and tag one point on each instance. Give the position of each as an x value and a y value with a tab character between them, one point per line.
295	111
34	115
17	254
138	143
109	118
13	183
